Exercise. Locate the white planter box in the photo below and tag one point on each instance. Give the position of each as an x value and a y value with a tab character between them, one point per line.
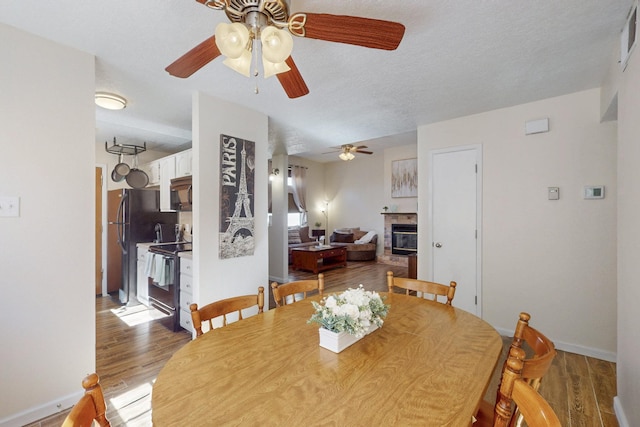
338	341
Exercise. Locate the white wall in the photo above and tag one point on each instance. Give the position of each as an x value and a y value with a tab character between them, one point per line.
47	134
553	259
628	363
360	188
353	190
402	204
216	278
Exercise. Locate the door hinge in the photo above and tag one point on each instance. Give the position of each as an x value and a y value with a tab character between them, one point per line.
476	234
476	299
476	165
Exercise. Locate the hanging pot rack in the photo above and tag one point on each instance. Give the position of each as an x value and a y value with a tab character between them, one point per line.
124	149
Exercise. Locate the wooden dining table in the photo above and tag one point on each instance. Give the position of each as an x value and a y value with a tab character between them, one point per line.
428	365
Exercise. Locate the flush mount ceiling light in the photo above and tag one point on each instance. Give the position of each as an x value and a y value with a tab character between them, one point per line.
262	30
110	101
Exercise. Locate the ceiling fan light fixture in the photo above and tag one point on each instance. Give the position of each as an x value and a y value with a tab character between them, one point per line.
110	101
276	44
242	64
346	156
232	39
273	68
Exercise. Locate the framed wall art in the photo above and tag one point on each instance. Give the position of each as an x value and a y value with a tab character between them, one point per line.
404	178
237	182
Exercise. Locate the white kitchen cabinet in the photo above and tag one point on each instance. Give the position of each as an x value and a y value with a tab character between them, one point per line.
167	173
142	282
186	293
153	171
183	163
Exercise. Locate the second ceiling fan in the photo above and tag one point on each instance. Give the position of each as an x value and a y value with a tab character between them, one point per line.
347	151
269	21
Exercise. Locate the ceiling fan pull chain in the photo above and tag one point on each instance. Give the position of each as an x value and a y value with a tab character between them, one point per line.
255	64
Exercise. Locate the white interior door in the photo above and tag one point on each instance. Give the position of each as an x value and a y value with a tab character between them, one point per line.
455	186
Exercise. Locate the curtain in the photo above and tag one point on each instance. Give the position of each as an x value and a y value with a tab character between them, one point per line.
299	187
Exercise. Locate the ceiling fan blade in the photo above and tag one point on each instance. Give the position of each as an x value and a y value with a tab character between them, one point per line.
364	152
373	33
195	59
292	81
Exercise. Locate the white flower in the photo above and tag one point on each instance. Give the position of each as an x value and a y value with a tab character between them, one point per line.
352	311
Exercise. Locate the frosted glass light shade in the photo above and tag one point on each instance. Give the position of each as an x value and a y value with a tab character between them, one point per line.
276	44
346	156
273	68
241	64
232	39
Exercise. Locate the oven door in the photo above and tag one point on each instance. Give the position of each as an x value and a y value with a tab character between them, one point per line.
163	288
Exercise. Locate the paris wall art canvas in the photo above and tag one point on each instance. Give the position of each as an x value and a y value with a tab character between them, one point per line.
237	182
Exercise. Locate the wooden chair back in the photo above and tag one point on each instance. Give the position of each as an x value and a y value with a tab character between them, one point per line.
533	368
90	407
543	349
224	307
300	287
515	390
422	287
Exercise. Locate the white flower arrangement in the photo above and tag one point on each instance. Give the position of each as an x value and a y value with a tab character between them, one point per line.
352	311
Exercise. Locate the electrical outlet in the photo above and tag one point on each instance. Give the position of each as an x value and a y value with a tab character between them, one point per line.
9	206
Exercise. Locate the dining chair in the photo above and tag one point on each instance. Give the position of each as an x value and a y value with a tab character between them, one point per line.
534	368
90	407
298	288
224	307
422	287
515	391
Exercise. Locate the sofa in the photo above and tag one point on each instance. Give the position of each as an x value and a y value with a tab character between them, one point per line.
361	245
299	238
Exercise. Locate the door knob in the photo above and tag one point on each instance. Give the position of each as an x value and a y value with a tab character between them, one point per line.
438	245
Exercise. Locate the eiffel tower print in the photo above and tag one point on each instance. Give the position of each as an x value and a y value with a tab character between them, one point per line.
238	237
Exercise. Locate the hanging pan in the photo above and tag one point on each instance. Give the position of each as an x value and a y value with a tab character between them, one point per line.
120	171
137	178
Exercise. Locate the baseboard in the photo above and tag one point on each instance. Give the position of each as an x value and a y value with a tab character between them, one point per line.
39	412
278	279
574	348
622	418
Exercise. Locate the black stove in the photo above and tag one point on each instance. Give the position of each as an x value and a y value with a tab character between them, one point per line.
164	292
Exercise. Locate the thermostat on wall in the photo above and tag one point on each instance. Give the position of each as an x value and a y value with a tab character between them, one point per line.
594	192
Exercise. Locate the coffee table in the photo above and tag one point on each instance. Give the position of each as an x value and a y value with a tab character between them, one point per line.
318	258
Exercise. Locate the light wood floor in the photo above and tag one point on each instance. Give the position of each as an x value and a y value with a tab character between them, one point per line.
580	389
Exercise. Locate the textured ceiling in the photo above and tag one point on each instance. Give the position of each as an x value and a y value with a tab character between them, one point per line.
457	58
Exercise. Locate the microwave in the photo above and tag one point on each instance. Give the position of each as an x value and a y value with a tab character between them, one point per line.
181	194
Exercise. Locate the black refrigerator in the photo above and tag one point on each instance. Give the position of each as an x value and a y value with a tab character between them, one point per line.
132	217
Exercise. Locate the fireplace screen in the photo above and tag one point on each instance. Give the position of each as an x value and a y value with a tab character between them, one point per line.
404	239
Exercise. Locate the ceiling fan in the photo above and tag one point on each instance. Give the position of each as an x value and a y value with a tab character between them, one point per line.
266	20
347	151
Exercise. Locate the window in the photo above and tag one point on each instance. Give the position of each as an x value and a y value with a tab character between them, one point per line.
628	36
293	219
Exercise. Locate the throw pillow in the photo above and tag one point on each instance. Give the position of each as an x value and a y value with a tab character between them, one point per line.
358	234
304	234
366	238
343	238
294	235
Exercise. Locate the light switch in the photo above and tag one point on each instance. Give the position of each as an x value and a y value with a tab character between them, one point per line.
554	193
9	206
